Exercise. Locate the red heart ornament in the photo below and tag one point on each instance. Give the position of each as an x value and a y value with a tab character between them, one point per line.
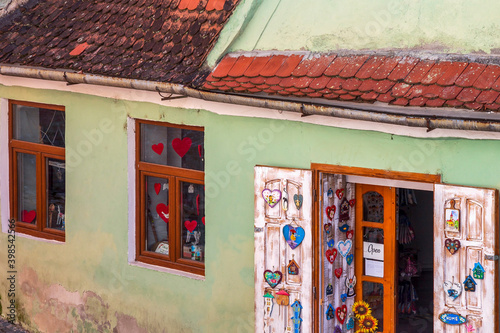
331	254
190	225
203	220
352	202
157	188
350	234
330	212
28	217
340	193
162	210
181	147
338	272
341	313
158	148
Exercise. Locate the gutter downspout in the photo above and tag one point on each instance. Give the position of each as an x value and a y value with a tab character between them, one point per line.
357	113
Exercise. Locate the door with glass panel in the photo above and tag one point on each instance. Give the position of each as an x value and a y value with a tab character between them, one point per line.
377	253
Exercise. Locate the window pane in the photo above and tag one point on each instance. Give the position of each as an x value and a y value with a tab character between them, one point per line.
26	188
193	221
172	146
157	215
373	248
56	194
373	207
373	294
38	125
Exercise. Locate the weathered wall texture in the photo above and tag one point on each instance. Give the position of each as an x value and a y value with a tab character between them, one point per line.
457	26
86	284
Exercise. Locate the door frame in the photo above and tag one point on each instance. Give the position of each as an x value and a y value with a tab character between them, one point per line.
318	168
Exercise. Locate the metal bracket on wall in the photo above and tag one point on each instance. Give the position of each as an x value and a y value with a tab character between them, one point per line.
491	257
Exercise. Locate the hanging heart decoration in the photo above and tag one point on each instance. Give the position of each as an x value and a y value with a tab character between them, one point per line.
349	259
340	193
271	197
163	211
452	289
331	254
293	236
350	323
329	193
338	272
328	228
158	148
157	188
350	234
330	212
190	225
297	199
344	227
331	243
273	278
343	297
181	147
344	247
203	220
452	245
341	313
28	217
352	202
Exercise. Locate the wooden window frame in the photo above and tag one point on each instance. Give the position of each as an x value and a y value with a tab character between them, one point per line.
41	152
175	176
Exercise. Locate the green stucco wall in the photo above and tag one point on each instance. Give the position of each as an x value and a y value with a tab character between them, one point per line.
86	283
458	26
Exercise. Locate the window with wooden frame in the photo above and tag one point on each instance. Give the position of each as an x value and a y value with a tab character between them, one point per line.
37	169
170	225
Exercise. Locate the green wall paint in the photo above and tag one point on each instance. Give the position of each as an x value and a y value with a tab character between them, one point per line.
438	25
94	257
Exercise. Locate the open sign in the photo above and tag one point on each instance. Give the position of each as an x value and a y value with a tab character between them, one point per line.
373	251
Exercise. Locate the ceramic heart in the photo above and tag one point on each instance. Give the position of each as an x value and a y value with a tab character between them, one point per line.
28	217
453	245
330	212
350	234
328	228
157	188
298	199
271	197
341	313
338	272
344	227
273	278
350	324
181	147
352	202
331	243
453	290
331	254
163	211
340	193
293	236
158	148
190	225
344	247
349	258
343	297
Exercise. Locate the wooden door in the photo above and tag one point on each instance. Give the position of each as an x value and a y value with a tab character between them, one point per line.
283	250
376	252
468	216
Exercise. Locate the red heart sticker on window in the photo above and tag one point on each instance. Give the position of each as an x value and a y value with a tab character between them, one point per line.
190	225
157	188
203	220
340	193
181	147
158	148
330	212
338	272
28	217
162	210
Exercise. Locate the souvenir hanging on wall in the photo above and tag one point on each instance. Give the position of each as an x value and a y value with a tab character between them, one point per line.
349	258
344	227
268	302
329	289
349	284
282	297
330	212
344	211
452	245
350	234
343	297
344	247
331	254
272	278
331	243
338	272
337	329
352	202
469	284
293	235
452	318
271	197
328	228
329	193
452	218
478	271
341	313
340	193
293	267
350	323
469	328
298	199
296	320
284	199
452	289
330	312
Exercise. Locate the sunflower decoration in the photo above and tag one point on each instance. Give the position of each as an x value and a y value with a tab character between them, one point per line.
368	324
361	309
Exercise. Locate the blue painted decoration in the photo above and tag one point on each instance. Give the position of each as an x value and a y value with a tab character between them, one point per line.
478	271
330	312
293	236
452	318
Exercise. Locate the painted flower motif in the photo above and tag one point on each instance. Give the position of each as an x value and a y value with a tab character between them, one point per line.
361	309
368	324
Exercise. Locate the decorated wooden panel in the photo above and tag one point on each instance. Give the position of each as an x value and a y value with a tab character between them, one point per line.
336	253
465	269
283	250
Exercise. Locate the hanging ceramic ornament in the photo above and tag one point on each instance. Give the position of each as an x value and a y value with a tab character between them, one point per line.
344	211
341	313
329	289
349	258
282	297
296	320
451	318
452	245
337	329
340	193
343	297
284	199
330	212
328	228
271	197
344	227
293	235
338	272
469	284
329	193
344	247
272	278
330	312
331	254
350	283
452	289
452	218
331	243
352	202
293	267
268	302
350	323
469	328
349	234
478	271
298	199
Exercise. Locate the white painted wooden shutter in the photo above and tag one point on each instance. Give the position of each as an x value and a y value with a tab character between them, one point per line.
478	236
273	253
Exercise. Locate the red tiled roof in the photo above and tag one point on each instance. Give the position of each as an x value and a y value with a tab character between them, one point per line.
157	40
398	80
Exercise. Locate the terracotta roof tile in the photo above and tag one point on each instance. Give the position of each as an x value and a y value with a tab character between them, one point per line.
470	75
240	66
386	68
335	83
436	102
256	66
273	81
468	94
272	66
474	106
400	102
419	101
289	65
347	97
487	96
303	67
320	65
488	77
432	91
419	71
224	67
435	73
369	67
351	84
319	82
337	66
370	96
450	92
353	66
403	68
386	98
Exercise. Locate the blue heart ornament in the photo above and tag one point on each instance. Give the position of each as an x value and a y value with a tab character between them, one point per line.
349	259
331	243
293	236
343	297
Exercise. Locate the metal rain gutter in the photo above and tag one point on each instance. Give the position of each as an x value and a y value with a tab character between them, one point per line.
361	112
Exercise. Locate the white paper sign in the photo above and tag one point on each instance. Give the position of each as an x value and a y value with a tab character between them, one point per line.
373	251
374	268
